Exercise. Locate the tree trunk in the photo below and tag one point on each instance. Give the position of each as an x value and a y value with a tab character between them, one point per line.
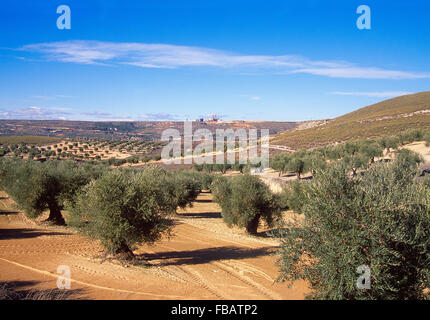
252	226
55	215
124	252
298	175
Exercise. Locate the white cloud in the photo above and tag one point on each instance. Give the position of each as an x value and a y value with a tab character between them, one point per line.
157	117
173	56
362	73
53	97
59	113
102	116
152	55
383	94
35	113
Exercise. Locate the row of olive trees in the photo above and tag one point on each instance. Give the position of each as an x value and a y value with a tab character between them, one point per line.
124	208
121	207
356	154
36	187
292	195
224	167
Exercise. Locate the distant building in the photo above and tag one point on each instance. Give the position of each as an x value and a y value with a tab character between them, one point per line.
213	117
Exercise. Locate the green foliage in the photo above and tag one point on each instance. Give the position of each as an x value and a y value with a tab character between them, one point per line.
124	208
116	162
204	179
293	196
279	162
132	159
408	157
184	187
380	219
220	167
297	165
36	186
356	162
245	200
370	149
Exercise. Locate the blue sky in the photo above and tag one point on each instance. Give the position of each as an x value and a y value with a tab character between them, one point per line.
170	60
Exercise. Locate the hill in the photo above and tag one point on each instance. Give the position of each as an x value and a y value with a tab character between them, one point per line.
387	117
146	130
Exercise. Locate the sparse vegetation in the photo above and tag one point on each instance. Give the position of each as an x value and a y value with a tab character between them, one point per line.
385	118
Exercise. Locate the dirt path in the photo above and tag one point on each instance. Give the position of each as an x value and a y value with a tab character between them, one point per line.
203	259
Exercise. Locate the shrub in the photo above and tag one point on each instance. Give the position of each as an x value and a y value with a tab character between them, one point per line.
245	200
380	219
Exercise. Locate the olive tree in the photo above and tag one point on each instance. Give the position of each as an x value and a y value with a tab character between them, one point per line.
245	200
279	162
36	187
184	187
380	220
124	208
293	195
298	165
371	149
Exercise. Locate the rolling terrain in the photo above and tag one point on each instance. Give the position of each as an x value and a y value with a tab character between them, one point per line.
384	118
146	130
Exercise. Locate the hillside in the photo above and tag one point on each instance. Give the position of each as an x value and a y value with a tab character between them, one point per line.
387	117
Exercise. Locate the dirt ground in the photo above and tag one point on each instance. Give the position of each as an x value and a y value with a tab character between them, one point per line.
203	259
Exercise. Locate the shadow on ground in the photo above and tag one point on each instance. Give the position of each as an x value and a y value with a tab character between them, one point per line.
201	256
212	215
9	212
20	233
19	290
204	200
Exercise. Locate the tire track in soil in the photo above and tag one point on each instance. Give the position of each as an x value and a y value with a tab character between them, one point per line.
99	273
196	277
268	293
262	273
90	284
223	266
